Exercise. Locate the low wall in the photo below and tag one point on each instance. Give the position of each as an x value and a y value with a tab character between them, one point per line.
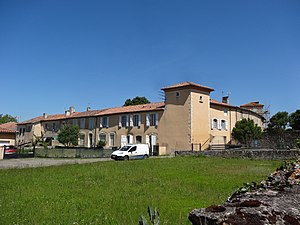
73	153
264	154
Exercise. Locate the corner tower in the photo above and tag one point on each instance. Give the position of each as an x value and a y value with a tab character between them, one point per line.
185	123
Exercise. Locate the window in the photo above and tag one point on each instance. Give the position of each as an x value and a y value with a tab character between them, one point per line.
54	127
201	99
215	124
104	122
111	139
225	112
81	139
136	120
102	137
74	122
223	125
177	94
91	123
123	121
152	119
82	123
46	126
138	139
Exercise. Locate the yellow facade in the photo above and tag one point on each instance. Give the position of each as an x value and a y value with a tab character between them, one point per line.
188	119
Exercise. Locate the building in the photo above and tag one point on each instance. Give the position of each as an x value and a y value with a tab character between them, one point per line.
8	133
187	119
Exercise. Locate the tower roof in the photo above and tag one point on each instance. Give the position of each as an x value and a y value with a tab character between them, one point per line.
188	84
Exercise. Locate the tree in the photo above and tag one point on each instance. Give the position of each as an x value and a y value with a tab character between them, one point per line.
7	118
68	135
295	120
246	131
136	101
279	121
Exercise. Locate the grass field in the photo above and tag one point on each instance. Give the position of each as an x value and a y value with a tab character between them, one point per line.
120	192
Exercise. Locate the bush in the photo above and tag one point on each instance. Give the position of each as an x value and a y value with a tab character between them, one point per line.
101	144
298	143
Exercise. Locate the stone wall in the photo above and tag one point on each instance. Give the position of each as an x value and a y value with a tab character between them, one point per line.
273	201
264	154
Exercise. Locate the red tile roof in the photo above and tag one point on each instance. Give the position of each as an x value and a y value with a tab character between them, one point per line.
10	127
109	111
252	104
212	101
133	108
188	85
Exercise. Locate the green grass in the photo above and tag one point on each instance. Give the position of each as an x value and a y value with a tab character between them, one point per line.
119	192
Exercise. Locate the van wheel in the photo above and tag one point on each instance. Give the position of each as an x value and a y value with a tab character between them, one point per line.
146	156
126	158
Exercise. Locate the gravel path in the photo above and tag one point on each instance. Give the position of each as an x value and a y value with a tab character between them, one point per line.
43	162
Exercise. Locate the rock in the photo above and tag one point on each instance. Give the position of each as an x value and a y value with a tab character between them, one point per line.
274	201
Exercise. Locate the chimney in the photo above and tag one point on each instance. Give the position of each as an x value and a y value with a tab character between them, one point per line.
72	109
45	115
88	109
67	113
225	99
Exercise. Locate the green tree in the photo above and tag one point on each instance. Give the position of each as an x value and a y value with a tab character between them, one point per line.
246	131
295	120
279	121
68	135
7	118
136	101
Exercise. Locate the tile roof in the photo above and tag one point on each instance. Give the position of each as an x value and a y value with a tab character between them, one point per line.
188	84
10	127
212	101
133	108
109	111
252	104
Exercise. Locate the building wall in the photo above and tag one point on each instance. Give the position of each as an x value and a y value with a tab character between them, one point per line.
7	139
200	115
174	127
128	133
222	133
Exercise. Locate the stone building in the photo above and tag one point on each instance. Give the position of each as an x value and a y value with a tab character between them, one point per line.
188	118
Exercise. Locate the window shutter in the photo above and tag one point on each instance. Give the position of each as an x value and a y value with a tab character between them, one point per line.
226	125
147	120
156	119
127	121
139	120
120	121
130	139
212	124
147	140
101	122
131	120
107	124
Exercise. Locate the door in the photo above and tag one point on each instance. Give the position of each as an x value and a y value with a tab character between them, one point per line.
123	140
90	141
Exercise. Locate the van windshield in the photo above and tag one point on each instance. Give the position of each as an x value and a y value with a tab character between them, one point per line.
125	148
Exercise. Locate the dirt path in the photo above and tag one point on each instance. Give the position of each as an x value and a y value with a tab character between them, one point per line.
43	162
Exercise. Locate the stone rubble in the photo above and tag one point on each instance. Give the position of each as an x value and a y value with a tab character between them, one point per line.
274	201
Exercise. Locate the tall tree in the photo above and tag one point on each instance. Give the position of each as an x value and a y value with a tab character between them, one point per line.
279	121
136	101
295	120
246	131
68	135
7	118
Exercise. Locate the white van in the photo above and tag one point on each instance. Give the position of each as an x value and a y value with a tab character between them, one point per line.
136	151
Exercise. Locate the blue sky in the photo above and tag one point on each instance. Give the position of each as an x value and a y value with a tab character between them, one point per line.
54	54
